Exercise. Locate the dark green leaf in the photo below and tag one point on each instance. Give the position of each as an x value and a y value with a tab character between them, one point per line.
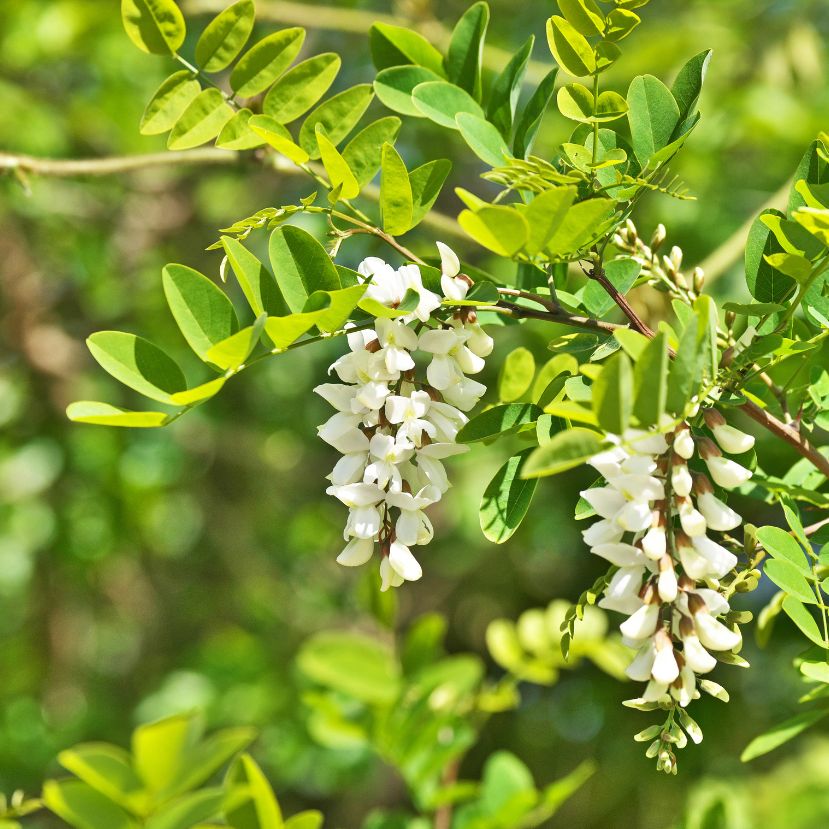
804	620
363	153
257	282
394	87
687	88
782	733
506	89
764	282
426	182
787	577
498	420
506	500
484	139
442	102
529	122
653	115
395	46
650	381
621	273
613	394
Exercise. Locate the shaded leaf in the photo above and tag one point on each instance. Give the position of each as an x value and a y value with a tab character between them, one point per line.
506	500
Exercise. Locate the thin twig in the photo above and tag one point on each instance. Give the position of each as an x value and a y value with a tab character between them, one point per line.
562	318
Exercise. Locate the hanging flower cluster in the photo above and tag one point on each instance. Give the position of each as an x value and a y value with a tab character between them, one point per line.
657	516
393	427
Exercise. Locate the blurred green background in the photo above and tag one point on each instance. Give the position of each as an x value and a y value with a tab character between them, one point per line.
148	572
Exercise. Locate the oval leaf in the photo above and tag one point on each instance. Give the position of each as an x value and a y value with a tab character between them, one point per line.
506	500
300	88
225	36
155	26
265	61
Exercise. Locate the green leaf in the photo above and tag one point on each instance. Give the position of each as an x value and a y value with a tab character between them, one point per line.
189	810
260	809
106	769
309	819
225	36
285	330
265	61
653	115
230	353
687	88
781	545
466	49
621	273
685	376
564	451
363	153
154	26
498	420
484	139
395	46
529	122
205	391
787	577
650	381
81	806
506	500
584	15
815	222
168	103
396	200
275	134
334	307
620	23
516	375
764	282
544	215
797	267
201	121
781	733
613	394
201	310
570	48
257	282
137	363
352	664
813	170
236	134
160	748
339	173
426	182
506	89
580	226
300	88
442	102
102	414
301	266
575	101
500	229
337	116
804	620
394	87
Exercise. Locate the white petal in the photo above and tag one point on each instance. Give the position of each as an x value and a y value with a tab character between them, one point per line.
403	562
727	473
681	481
639	669
654	543
718	515
714	634
438	341
642	623
604	499
442	372
665	668
358	551
349	469
732	440
450	265
696	657
693	522
721	561
684	444
622	555
602	532
408	527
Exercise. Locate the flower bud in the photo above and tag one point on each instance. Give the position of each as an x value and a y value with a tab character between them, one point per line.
698	279
667	582
692	520
718	516
696	657
681	481
727	473
684	443
658	237
665	669
654	542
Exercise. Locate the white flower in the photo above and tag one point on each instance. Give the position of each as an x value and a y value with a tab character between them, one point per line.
342	432
605	500
681	481
450	265
640	668
655	543
602	532
388	287
645	443
667	585
730	439
479	341
447	420
635	516
622	594
696	657
718	515
684	443
665	668
396	341
727	473
638	487
389	577
358	551
692	520
608	463
714	634
387	451
339	395
622	555
465	394
642	623
413	527
410	414
721	561
403	562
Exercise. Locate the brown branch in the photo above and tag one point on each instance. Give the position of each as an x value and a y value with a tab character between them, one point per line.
813	528
560	317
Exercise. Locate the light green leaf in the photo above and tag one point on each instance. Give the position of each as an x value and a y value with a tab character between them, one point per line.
620	23
334	307
781	545
782	733
544	215
298	90
236	134
265	61
528	124
200	393
275	134
160	748
310	819
687	88
442	102
201	121
575	101
260	810
257	282
500	229
363	153
337	116
395	46
466	49
787	577
613	394
102	414
285	330
506	89
484	139
225	36
81	806
516	375
301	266
580	226
339	174
797	267
168	103
564	451
396	200
155	26
498	420
202	310
352	664
650	381
106	769
230	353
653	115
188	810
426	182
394	87
585	16
137	363
209	755
506	500
570	48
815	221
804	620
764	282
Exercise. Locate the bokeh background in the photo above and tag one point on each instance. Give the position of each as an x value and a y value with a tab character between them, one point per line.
148	572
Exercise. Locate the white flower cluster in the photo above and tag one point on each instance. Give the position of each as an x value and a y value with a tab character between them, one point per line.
392	428
656	516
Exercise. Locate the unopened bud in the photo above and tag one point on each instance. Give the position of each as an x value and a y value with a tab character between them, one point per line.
698	279
676	257
658	237
730	319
